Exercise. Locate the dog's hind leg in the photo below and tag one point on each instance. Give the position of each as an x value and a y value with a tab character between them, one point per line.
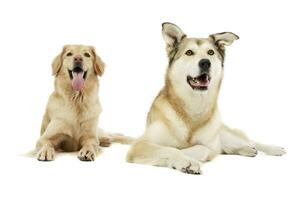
145	152
104	138
271	150
235	141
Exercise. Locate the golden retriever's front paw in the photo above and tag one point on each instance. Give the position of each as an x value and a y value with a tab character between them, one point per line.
87	154
46	154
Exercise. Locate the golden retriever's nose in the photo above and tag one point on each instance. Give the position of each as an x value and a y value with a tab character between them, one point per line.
78	58
77	61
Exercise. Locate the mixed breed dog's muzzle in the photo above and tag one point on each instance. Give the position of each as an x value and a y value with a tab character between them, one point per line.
201	82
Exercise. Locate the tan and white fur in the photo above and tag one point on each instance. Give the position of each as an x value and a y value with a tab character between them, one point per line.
184	126
70	122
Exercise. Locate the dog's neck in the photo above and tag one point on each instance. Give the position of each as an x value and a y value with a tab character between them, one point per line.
194	106
65	90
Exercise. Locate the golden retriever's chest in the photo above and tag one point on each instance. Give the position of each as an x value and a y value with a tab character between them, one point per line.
82	112
74	113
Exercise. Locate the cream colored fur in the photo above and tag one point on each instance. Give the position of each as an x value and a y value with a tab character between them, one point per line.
184	126
70	122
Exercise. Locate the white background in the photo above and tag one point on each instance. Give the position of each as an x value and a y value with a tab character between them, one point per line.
260	94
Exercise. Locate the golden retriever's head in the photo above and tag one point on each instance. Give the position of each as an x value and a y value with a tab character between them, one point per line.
78	63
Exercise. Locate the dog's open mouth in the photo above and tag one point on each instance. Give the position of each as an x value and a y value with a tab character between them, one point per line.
200	82
77	76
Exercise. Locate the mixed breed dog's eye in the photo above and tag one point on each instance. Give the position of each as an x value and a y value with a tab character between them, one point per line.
190	52
210	52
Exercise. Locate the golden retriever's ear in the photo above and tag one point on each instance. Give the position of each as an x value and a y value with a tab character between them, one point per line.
57	62
98	63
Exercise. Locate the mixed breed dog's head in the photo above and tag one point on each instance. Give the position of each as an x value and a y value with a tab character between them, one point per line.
195	64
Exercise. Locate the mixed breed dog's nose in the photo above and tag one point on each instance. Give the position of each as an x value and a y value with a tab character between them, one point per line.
204	64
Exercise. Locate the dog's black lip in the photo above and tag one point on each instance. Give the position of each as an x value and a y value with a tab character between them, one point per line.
73	70
202	88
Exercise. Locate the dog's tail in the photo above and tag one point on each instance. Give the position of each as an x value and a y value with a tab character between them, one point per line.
271	150
31	153
106	138
122	139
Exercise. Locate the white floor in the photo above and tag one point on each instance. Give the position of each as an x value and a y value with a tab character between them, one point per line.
110	177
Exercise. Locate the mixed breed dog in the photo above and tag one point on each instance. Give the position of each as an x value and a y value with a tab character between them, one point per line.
184	127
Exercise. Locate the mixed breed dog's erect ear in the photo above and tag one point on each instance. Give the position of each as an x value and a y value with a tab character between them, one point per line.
58	62
224	38
173	35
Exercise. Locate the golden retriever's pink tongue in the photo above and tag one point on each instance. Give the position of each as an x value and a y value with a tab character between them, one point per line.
78	81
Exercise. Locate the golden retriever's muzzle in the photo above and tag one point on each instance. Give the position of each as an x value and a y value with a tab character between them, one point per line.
77	74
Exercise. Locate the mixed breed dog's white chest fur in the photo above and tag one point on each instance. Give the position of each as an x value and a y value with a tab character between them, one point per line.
184	127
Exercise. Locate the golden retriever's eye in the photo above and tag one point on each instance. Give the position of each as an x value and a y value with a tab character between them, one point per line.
210	52
69	54
189	52
87	55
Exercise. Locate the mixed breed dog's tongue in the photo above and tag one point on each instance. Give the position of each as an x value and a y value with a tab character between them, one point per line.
78	81
204	82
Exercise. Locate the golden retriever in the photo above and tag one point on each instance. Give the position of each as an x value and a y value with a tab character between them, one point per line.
71	119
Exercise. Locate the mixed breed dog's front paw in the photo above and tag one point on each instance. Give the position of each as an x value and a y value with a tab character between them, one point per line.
187	165
184	119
